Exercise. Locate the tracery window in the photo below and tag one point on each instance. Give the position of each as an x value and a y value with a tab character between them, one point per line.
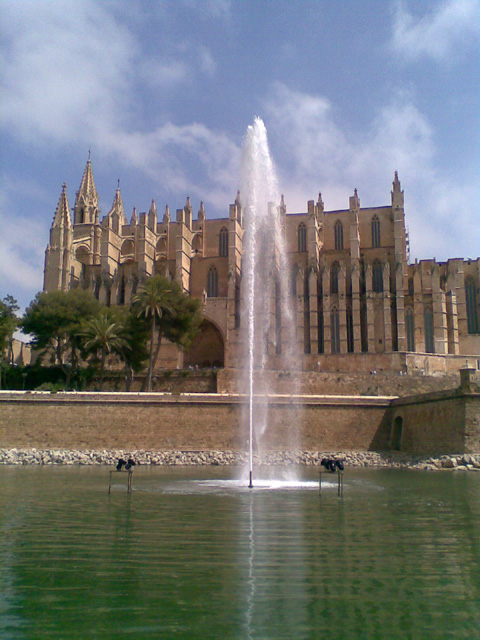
334	269
335	329
377	276
302	237
212	282
375	231
428	319
223	243
410	327
338	235
472	307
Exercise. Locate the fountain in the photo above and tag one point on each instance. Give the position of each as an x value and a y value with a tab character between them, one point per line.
268	309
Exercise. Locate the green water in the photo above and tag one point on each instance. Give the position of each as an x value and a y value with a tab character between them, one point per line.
190	554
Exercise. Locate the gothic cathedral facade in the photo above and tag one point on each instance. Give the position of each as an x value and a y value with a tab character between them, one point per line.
359	303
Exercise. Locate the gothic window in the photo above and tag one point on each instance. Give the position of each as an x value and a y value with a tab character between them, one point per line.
338	235
472	308
428	319
212	283
410	329
375	231
335	327
350	343
334	269
377	276
302	237
223	243
82	215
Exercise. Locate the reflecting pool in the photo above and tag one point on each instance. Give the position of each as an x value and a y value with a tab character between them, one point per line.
191	553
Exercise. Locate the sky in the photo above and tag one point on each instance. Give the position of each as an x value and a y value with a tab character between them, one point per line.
161	93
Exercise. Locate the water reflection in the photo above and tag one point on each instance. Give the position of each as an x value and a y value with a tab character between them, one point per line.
191	553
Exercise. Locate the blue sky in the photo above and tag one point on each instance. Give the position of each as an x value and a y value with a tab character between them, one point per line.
162	93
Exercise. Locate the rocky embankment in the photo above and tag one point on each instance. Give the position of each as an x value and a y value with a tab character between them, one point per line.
373	459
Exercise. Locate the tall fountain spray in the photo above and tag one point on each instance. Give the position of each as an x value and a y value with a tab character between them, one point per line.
268	306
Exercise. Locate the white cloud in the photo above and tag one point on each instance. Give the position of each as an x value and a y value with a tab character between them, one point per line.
316	153
440	35
208	66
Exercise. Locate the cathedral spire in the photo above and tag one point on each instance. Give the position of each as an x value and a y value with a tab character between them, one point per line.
62	214
397	193
87	186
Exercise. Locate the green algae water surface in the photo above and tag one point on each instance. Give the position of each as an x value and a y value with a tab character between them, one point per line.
191	553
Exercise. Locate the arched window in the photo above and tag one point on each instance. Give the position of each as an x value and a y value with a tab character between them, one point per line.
377	276
223	243
302	237
410	326
350	343
375	231
334	269
338	235
335	327
428	318
212	282
472	308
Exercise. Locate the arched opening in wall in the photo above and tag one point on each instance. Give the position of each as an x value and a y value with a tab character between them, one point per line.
207	348
302	237
212	282
82	254
334	269
161	249
364	327
335	329
197	246
411	288
338	235
127	252
396	434
223	243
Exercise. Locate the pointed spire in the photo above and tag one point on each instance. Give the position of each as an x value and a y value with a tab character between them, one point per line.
238	202
187	204
166	215
153	207
397	193
62	214
87	186
134	218
117	207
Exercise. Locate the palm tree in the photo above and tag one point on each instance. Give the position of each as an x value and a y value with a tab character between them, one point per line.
102	333
153	301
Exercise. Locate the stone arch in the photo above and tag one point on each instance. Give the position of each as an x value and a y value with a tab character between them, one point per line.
207	348
197	245
82	254
161	249
127	252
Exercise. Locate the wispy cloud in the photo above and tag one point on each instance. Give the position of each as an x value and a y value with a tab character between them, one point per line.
440	35
318	152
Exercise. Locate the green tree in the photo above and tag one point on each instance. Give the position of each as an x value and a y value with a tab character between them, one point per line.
171	314
8	324
103	334
54	320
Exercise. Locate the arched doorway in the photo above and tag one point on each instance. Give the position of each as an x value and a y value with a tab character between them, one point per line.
207	348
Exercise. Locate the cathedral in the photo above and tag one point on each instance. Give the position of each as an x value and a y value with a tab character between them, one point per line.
359	304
